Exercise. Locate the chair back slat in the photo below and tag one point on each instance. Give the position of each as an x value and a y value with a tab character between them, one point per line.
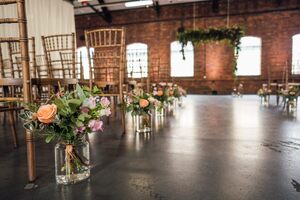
42	68
53	46
67	63
108	57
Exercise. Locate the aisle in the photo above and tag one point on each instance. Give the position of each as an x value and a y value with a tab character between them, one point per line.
215	147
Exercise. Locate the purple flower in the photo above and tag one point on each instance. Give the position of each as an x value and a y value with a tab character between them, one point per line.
104	102
96	125
80	129
85	109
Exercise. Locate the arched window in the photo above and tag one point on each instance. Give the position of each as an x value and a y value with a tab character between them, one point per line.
85	60
179	66
249	60
296	55
137	60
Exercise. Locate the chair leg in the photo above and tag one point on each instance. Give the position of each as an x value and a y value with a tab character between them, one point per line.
4	118
123	121
13	129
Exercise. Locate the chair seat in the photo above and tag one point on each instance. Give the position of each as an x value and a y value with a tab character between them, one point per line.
105	83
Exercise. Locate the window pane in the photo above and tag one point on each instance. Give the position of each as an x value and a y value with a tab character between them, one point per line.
249	60
180	67
137	60
85	60
296	54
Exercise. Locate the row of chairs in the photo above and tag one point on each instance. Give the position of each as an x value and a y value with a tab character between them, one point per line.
59	59
23	71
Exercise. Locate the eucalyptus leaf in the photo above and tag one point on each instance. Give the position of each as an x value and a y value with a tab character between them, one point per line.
80	93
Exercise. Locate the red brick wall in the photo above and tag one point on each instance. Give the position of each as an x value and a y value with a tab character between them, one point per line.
274	23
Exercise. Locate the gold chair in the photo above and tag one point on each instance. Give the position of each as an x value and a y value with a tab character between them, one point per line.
107	64
67	64
14	51
54	45
25	82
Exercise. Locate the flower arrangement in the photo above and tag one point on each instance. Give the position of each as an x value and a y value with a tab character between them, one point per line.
233	35
263	92
161	94
291	93
179	92
67	117
139	102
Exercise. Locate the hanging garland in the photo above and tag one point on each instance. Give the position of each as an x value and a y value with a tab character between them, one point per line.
232	35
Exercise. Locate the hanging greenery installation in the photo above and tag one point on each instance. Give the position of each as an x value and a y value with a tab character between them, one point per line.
232	35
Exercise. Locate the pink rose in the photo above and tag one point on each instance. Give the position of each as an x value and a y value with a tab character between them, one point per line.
85	109
96	125
104	102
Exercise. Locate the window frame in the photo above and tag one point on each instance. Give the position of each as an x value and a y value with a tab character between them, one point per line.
291	70
182	77
261	61
86	71
147	61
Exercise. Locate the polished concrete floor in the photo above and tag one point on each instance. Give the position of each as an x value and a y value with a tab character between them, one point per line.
215	147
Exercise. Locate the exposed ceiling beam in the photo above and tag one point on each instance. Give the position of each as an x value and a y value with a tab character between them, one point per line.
278	2
107	19
156	7
116	3
106	14
215	6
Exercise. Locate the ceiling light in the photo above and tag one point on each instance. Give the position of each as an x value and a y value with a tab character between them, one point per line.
84	2
138	3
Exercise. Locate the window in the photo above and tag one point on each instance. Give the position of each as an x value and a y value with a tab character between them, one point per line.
137	60
179	66
296	54
249	60
85	60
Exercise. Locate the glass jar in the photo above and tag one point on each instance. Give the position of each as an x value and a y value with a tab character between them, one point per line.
179	100
143	123
72	162
160	111
292	105
265	100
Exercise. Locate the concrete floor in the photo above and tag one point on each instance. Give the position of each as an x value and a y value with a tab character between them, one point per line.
215	147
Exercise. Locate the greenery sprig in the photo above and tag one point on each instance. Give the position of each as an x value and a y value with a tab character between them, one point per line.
232	35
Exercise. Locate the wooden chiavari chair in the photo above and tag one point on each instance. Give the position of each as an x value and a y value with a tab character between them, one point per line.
107	69
67	64
25	82
14	51
53	46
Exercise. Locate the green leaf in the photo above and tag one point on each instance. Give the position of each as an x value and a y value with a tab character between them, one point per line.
80	93
49	138
96	90
59	103
74	104
83	116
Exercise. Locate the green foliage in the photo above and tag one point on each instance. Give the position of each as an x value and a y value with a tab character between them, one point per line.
69	117
133	102
231	35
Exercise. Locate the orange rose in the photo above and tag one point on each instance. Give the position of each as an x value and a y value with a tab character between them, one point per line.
160	93
171	93
144	103
46	113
